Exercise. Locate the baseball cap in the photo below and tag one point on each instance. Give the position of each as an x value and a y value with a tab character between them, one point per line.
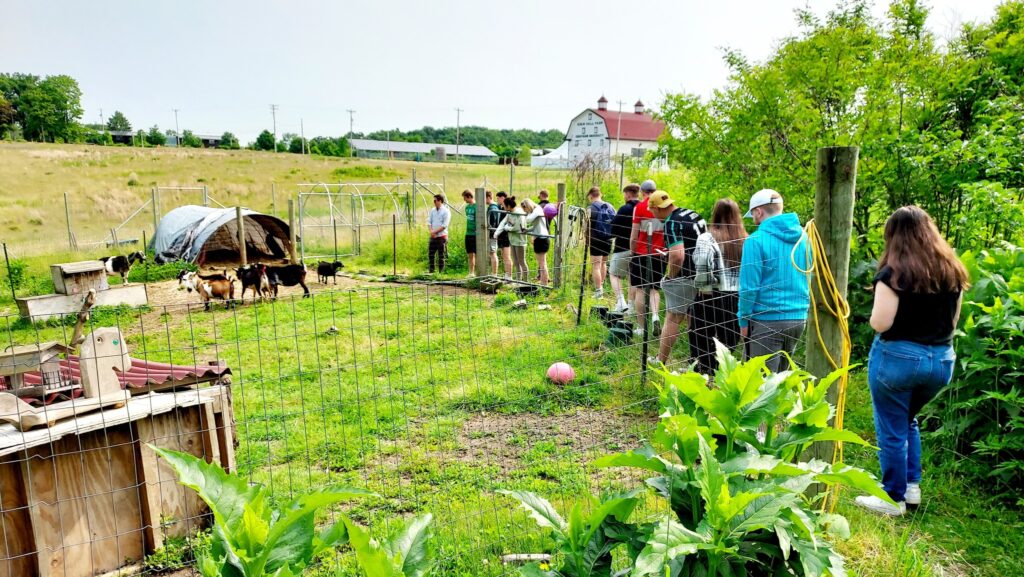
763	197
659	199
648	186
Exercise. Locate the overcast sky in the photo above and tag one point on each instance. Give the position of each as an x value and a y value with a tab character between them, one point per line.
397	63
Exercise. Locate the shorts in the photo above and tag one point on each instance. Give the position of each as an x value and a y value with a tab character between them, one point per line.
541	245
619	265
503	240
470	244
679	294
492	245
641	263
600	246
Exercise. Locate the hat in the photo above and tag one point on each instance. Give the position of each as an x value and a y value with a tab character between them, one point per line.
648	186
763	197
659	199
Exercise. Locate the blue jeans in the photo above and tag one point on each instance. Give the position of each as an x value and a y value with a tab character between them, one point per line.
903	377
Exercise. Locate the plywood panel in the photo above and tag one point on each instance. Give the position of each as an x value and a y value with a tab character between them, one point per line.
17	547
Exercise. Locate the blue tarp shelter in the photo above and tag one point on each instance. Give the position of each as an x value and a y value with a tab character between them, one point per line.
202	234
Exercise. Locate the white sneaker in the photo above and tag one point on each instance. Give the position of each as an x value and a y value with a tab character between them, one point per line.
656	326
655	362
876	505
599	294
619	306
913	494
628	310
639	331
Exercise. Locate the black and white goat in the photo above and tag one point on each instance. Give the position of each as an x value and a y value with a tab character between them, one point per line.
122	265
212	286
254	276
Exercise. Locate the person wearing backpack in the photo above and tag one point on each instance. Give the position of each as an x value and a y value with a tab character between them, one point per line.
601	216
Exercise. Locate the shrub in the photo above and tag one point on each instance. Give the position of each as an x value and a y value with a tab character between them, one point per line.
979	418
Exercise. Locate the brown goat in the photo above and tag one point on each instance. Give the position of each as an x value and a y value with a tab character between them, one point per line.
221	288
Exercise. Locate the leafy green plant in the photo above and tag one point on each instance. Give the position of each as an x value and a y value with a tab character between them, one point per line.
585	543
980	416
738	497
407	552
178	552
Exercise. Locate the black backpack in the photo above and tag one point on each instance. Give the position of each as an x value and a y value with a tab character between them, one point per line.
603	215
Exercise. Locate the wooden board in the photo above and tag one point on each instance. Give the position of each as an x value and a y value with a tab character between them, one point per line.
17	548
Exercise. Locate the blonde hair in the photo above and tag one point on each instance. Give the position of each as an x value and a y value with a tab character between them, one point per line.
528	205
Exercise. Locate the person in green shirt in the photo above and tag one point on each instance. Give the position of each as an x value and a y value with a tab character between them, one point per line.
467	195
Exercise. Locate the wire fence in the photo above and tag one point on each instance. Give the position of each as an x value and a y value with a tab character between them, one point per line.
432	395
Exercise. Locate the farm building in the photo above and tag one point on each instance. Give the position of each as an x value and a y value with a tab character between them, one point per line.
418	150
203	234
605	135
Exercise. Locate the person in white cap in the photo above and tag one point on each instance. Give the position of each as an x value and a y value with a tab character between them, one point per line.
773	295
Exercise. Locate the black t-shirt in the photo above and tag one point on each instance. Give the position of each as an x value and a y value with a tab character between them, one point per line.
622	224
684	226
924	318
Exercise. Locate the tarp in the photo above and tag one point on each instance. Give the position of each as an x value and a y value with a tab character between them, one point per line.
197	233
557	158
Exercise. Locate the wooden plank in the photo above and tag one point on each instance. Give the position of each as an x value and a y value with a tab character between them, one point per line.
17	543
208	432
224	417
148	474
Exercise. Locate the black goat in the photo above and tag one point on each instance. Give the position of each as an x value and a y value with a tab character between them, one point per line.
255	276
287	275
121	265
328	269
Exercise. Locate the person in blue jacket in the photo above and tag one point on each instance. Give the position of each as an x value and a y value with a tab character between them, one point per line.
774	296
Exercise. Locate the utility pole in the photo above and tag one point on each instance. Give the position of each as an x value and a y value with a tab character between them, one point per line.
177	135
103	122
350	113
273	112
618	129
302	135
458	122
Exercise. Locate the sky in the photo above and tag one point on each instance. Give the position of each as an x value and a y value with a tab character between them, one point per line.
397	63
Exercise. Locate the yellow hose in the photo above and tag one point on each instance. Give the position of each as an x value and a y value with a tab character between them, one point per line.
827	294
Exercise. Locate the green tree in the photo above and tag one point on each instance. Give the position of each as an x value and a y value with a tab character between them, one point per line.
265	141
190	140
140	138
295	145
51	109
7	117
524	155
118	122
155	138
229	141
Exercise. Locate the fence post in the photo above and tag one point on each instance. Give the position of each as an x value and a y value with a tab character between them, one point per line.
273	199
67	217
561	237
835	184
156	209
206	196
483	234
291	230
355	227
412	198
113	239
10	279
511	174
241	234
394	244
622	171
302	233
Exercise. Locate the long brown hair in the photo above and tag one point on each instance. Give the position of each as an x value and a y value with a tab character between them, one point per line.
727	228
921	260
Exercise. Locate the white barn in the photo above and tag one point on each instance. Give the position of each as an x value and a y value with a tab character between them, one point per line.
606	135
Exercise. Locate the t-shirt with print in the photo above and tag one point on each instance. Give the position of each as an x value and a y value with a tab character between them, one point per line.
643	216
470	220
684	226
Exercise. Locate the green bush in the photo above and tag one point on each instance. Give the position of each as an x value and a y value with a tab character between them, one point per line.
979	418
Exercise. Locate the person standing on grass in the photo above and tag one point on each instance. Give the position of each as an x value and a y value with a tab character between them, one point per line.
600	231
514	226
537	225
774	295
501	236
647	265
438	220
467	196
682	229
918	292
717	260
493	218
618	266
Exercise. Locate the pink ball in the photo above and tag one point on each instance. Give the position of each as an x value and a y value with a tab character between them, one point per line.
561	373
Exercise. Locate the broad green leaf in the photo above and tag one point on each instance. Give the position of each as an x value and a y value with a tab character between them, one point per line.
413	545
835	525
292	534
642	458
252	533
225	494
761	513
781	527
751	463
534	570
667	541
679	433
373	559
619	506
540	509
815	414
331	537
853	477
711	481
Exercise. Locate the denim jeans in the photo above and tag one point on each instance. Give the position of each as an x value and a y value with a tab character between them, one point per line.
903	377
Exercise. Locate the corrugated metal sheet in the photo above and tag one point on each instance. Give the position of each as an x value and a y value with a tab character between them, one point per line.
418	147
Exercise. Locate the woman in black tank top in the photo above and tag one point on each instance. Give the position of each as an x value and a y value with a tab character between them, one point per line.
918	290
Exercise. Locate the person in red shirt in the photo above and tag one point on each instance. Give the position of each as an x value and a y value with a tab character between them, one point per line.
647	267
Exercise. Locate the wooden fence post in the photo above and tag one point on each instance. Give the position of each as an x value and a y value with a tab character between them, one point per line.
561	237
291	230
241	234
483	234
833	216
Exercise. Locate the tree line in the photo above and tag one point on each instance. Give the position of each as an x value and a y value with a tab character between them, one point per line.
503	142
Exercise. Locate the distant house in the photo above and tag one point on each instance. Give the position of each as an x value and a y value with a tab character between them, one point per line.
606	136
418	150
209	140
128	137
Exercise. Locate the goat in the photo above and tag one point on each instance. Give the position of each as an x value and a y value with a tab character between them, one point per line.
254	276
212	287
287	275
328	269
121	265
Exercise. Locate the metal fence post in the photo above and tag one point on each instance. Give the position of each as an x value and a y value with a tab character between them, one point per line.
156	209
10	279
67	217
561	237
291	229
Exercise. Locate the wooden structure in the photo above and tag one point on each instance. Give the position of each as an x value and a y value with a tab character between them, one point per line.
88	495
16	361
71	282
72	278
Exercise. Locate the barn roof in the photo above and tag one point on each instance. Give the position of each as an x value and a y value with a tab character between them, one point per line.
418	147
634	126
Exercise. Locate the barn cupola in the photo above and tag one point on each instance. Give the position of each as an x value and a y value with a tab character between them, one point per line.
638	107
602	103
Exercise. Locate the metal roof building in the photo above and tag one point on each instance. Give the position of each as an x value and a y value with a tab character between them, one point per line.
424	150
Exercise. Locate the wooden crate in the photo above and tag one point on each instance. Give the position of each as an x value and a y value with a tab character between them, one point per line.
87	495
